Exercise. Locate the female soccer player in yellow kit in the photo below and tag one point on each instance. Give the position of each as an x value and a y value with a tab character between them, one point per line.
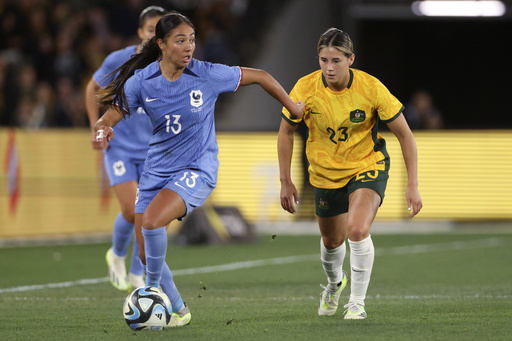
348	164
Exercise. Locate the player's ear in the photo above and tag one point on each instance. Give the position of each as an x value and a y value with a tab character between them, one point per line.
161	44
351	59
139	33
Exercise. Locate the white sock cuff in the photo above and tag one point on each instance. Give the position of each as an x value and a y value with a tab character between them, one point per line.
329	253
365	245
332	261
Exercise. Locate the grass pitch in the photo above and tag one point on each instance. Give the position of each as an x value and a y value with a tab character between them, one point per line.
423	287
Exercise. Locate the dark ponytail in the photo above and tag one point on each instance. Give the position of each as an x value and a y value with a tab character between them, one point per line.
113	94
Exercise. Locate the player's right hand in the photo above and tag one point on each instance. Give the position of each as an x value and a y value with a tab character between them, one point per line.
101	137
298	111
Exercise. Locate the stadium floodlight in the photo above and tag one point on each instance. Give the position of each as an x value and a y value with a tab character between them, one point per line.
461	8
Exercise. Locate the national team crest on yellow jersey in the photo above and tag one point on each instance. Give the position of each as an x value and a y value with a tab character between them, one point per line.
343	126
357	116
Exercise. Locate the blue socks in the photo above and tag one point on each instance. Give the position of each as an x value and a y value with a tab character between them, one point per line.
170	289
122	235
121	238
155	244
157	271
136	265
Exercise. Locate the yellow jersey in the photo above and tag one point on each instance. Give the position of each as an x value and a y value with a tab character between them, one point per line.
343	126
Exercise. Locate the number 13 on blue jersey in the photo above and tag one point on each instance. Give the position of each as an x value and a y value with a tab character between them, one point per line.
176	125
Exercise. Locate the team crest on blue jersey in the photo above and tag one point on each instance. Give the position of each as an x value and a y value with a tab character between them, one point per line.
196	98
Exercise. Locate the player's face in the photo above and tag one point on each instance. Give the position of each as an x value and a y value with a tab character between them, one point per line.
147	31
335	65
179	46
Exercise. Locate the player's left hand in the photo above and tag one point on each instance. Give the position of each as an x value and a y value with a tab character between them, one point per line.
414	203
289	197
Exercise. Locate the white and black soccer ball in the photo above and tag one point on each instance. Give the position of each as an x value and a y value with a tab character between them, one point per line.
147	308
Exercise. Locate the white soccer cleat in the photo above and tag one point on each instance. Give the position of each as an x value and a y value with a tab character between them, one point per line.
329	300
117	271
181	318
136	281
354	311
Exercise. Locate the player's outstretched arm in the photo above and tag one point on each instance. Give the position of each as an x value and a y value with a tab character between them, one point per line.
272	87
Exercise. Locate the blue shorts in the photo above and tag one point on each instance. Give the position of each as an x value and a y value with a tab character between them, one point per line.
192	185
121	167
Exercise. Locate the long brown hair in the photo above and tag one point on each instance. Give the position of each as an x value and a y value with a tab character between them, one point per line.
113	94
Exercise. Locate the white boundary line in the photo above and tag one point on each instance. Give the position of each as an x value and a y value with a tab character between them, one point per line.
399	250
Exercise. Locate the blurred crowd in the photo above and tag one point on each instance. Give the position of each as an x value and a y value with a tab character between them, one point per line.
421	113
49	49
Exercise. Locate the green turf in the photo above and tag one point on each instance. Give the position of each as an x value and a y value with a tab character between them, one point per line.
424	287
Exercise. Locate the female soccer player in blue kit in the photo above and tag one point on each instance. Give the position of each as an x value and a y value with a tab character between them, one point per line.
124	157
178	94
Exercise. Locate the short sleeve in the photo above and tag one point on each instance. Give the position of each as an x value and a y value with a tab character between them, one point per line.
133	94
296	96
388	106
224	78
101	76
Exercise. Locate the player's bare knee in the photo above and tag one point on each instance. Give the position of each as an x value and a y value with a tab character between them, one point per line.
332	242
149	224
357	231
128	215
357	234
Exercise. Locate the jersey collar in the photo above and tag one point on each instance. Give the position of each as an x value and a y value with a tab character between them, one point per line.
153	70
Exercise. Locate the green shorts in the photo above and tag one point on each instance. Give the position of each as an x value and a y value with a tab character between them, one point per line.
331	202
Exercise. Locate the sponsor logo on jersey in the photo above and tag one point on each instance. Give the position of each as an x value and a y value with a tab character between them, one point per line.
357	116
196	98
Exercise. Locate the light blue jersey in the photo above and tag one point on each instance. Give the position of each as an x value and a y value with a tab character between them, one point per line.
183	149
132	134
182	114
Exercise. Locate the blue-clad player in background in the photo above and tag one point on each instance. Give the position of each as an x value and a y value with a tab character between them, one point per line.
124	157
178	94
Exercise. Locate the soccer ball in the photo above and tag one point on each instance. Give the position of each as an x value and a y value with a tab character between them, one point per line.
147	308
